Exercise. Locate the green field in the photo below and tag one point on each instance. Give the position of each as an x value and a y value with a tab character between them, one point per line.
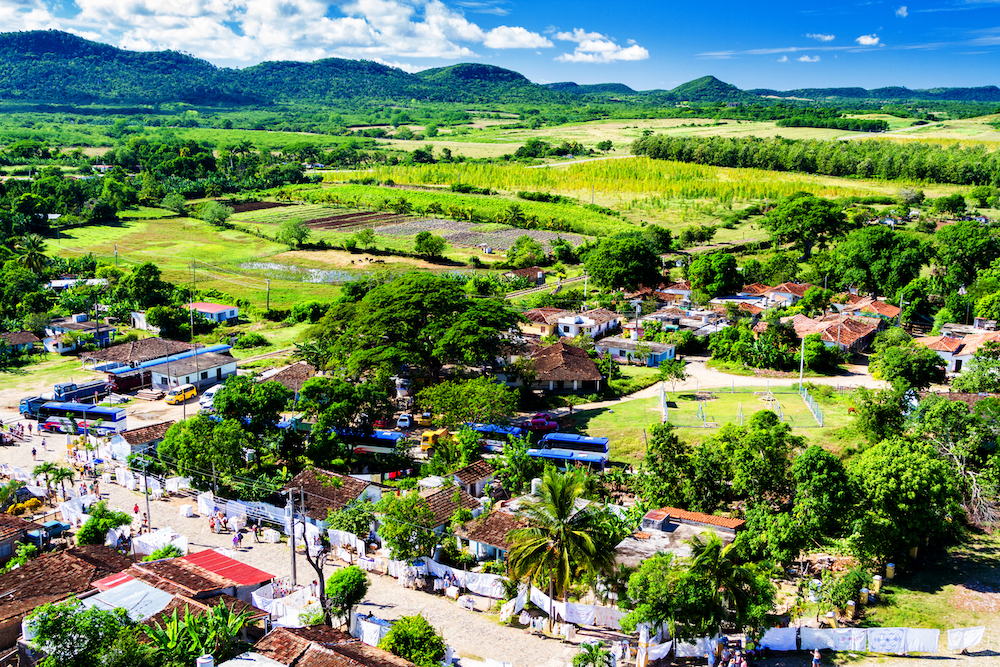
625	424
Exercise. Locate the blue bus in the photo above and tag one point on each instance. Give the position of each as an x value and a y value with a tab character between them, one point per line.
565	448
371	442
493	437
59	417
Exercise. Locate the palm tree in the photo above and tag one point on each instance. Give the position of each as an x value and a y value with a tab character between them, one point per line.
559	541
46	470
592	655
730	581
8	493
61	475
32	248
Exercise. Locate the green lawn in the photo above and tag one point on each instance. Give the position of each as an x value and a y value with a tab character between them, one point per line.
626	422
43	373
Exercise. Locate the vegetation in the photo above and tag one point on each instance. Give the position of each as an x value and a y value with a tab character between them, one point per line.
413	638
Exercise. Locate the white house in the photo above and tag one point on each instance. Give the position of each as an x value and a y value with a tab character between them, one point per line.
474	478
590	322
958	352
201	370
216	312
624	350
138	440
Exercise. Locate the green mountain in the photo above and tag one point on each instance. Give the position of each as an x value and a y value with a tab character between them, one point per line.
887	94
51	67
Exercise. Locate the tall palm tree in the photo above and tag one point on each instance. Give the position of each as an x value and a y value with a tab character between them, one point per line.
730	582
559	541
32	249
45	470
61	475
8	493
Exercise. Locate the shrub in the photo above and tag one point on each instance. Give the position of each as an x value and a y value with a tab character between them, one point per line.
16	508
166	551
251	339
32	504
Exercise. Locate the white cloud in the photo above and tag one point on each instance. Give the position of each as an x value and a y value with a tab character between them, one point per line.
821	37
593	47
506	37
783	59
868	40
248	31
809	59
902	13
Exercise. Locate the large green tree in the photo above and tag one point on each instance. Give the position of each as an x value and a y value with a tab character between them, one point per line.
908	365
480	400
423	320
715	274
964	248
407	525
823	493
624	261
72	635
880	260
806	221
258	405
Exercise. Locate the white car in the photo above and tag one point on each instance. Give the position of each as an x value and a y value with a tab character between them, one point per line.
208	397
404	422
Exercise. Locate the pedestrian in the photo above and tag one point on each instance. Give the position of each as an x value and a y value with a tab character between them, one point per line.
211	524
816	657
256	530
135	510
145	522
34	454
236	541
44	448
30	426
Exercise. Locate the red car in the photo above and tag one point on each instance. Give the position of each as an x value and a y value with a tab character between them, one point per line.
540	425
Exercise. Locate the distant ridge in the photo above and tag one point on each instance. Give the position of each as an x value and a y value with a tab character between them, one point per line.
53	67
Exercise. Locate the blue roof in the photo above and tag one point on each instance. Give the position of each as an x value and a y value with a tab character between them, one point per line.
493	428
569	437
88	407
216	349
569	455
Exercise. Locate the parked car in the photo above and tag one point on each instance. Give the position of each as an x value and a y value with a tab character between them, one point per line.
425	419
380	423
208	398
404	422
540	425
181	394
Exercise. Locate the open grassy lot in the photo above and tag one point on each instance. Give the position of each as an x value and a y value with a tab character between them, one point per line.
626	422
39	376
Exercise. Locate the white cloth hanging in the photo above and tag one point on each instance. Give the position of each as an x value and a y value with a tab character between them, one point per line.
780	639
922	640
960	639
887	640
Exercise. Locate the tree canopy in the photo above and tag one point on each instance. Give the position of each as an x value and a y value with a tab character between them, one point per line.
806	221
623	261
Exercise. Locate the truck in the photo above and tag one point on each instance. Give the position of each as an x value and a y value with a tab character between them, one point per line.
66	392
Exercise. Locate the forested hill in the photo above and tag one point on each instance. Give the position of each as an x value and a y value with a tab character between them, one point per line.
888	94
51	67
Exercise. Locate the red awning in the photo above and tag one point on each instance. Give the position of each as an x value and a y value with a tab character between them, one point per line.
224	566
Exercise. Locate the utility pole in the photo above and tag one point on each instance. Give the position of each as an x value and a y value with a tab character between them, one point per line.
116	255
145	483
802	363
268	281
291	534
194	347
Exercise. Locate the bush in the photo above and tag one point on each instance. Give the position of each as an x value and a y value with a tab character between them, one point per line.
251	339
310	311
413	638
166	551
100	522
16	509
32	504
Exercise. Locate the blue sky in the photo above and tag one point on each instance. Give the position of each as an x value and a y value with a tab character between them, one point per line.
642	43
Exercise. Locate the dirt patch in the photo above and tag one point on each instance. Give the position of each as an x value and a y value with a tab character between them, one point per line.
342	259
974	595
247	206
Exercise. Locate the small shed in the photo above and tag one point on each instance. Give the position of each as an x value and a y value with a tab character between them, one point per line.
138	440
474	478
217	312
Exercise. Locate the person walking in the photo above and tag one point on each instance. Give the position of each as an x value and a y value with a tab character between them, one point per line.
34	454
44	448
135	510
816	657
236	542
145	522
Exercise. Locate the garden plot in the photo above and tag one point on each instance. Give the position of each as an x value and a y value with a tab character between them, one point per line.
470	234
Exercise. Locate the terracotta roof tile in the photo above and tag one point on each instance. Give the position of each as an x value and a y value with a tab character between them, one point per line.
326	490
14	526
442	502
601	315
370	656
322	646
972	342
491	529
56	576
546	315
940	343
707	519
680	285
138	351
527	272
146	434
180	576
798	289
292	377
755	289
474	472
19	338
562	362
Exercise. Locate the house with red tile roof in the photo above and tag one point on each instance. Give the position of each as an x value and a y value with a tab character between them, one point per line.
669	529
216	312
565	368
958	352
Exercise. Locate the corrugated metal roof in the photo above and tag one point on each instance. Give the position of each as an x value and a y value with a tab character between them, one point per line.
252	659
137	598
241	573
114	580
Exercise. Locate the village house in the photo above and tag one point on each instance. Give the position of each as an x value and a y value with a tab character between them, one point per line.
290	377
849	334
592	323
138	440
565	368
326	491
443	505
216	312
314	646
202	370
532	273
667	530
13	530
474	478
133	353
958	352
52	577
627	350
57	328
486	537
19	341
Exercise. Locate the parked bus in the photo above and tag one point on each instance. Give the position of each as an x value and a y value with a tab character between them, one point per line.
371	442
492	437
60	417
564	449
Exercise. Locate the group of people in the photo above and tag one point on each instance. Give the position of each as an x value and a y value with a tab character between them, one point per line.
724	656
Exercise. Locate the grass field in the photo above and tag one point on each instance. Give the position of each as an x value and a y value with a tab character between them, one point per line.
626	422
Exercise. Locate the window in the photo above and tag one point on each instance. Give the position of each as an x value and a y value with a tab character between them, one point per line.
565	328
204	375
621	353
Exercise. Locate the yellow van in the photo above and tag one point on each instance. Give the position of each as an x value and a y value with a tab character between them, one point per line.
425	419
180	394
430	439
